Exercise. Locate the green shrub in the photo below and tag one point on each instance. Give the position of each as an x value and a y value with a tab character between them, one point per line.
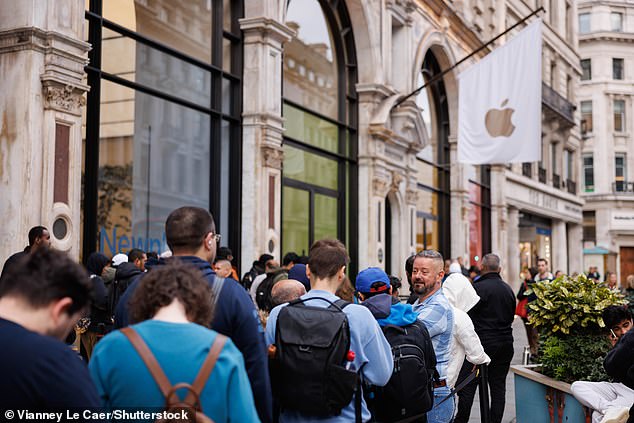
567	313
570	306
575	357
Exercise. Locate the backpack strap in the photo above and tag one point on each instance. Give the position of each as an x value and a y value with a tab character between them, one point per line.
206	369
215	290
341	304
148	358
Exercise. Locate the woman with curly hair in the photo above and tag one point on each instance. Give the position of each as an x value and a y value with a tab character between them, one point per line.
173	304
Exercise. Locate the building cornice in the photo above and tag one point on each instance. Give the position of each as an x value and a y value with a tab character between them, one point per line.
607	36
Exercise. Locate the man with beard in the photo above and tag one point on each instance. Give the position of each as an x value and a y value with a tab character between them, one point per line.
436	313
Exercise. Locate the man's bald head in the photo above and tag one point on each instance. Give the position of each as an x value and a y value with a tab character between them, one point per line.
286	290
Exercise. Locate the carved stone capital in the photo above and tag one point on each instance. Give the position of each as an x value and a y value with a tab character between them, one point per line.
397	178
64	98
411	196
273	157
380	186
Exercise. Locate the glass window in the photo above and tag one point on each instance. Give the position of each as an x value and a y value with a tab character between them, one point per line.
584	23
313	48
617	68
619	115
569	163
318	121
586	117
588	173
616	21
586	70
296	209
137	62
184	26
589	226
303	166
554	163
153	153
306	127
620	171
147	168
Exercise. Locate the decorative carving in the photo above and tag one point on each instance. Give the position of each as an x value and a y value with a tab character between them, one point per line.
273	157
397	178
379	186
411	196
64	98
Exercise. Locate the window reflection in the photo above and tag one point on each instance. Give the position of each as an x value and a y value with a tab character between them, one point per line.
310	68
183	25
149	164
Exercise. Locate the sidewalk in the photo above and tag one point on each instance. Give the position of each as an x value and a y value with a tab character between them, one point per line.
520	340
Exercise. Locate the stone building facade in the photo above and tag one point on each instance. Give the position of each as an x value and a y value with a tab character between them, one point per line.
606	34
283	118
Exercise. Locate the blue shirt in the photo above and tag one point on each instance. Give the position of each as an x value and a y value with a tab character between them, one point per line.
437	315
123	380
372	351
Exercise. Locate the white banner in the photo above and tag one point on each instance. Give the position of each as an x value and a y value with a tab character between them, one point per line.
500	103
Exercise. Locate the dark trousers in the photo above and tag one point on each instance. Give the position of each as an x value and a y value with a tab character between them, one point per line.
501	356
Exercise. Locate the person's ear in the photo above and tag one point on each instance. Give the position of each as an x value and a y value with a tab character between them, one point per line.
360	296
308	274
342	273
59	308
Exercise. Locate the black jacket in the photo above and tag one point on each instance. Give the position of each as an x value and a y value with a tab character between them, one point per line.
619	363
126	274
493	315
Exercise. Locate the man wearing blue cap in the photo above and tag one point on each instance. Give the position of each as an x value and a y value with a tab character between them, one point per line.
409	393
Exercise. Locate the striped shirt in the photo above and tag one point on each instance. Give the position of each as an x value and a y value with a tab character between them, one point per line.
437	315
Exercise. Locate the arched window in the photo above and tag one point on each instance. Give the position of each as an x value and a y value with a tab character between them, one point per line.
320	112
433	226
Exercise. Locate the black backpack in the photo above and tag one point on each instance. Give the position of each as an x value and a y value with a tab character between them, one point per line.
263	293
410	391
308	371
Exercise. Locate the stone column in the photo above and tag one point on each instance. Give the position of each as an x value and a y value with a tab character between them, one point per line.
459	206
42	59
559	247
512	260
499	219
262	129
575	248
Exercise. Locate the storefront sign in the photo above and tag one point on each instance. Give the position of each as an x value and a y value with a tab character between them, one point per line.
542	203
622	220
113	243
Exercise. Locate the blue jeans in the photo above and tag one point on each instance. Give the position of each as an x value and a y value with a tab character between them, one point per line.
442	413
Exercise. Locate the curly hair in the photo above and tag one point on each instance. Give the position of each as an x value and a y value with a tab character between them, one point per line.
173	281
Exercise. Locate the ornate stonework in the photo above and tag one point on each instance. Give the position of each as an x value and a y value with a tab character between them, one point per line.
66	98
273	157
411	196
380	186
397	178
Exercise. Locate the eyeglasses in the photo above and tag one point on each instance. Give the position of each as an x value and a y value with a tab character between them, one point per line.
217	237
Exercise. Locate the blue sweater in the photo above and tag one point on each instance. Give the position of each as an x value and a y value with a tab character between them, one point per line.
234	316
123	380
372	353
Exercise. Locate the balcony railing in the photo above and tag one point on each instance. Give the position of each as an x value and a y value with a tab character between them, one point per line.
527	169
558	104
623	187
556	181
571	186
542	175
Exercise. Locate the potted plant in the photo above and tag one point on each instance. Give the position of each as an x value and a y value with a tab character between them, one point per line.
567	314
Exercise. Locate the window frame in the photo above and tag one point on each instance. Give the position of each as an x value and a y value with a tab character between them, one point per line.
618	69
589	23
96	24
618	115
588	170
586	71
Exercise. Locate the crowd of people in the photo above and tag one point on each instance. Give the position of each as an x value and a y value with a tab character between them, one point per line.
296	341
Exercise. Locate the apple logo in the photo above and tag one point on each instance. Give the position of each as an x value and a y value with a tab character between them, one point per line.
498	121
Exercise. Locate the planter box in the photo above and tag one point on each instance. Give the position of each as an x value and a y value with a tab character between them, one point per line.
541	399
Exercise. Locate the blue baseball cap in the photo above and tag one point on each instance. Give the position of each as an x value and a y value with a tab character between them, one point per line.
369	276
